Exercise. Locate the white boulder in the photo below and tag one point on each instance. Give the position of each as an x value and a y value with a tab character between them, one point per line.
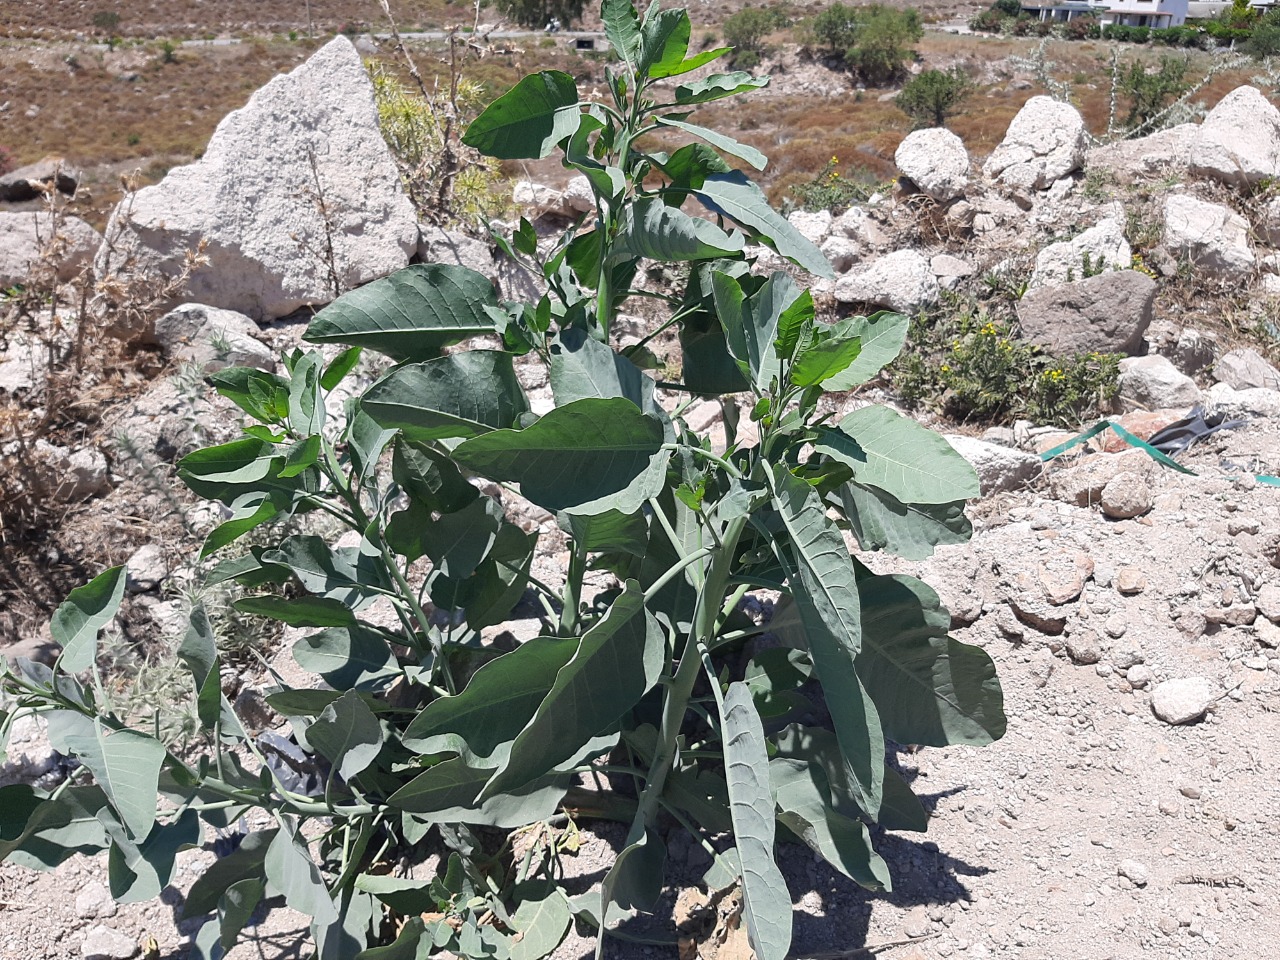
212	339
901	281
998	467
1246	369
297	194
1154	383
1215	238
1239	141
936	161
27	235
814	227
1102	247
1045	142
1160	153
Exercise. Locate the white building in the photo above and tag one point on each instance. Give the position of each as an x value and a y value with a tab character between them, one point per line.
1130	13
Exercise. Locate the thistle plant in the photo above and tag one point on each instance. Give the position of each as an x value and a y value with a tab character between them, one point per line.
685	711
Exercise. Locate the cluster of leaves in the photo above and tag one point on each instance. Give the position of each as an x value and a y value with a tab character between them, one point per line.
746	31
931	96
1151	91
835	191
424	727
974	367
874	41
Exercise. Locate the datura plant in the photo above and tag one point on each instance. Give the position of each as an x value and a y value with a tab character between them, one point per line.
652	698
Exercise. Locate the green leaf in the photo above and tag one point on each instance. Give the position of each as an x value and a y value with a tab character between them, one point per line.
610	532
736	197
882	336
634	882
402	894
48	837
664	43
301	455
527	122
235	909
751	323
291	872
617	662
337	369
825	357
306	403
773	676
901	809
348	734
804	807
884	449
824	587
650	228
346	936
689	168
717	86
231	470
622	28
243	862
346	656
137	873
260	394
431	478
412	314
929	688
298	611
766	901
496	705
541	925
881	521
24	812
461	395
79	618
126	765
583	367
247	513
718	140
348	574
199	652
587	456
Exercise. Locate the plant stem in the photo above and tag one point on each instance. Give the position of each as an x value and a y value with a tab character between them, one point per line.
573	589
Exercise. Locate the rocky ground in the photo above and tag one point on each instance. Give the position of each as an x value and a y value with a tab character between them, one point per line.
1133	610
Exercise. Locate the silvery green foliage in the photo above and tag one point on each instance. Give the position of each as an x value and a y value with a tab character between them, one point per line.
414	735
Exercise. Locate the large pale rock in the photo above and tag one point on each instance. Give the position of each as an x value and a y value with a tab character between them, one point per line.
1182	700
307	139
1245	369
900	281
1045	141
998	467
1239	141
1102	247
1153	383
33	180
437	245
212	339
1224	401
1108	313
936	162
1215	238
813	226
25	236
858	225
1160	154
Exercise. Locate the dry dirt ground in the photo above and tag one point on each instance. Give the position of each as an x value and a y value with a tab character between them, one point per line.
1092	831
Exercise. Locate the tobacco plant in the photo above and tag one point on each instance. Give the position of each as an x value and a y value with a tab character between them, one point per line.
424	725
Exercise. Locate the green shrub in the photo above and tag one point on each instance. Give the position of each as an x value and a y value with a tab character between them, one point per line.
434	731
536	13
1150	91
885	41
1083	28
831	190
1264	41
1007	8
833	30
988	21
745	32
932	96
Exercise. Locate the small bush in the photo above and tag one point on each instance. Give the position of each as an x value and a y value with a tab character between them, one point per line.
106	20
746	30
929	98
1008	8
830	190
1149	92
1083	28
988	21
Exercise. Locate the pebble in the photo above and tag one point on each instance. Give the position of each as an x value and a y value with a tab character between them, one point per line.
1139	675
1190	791
1236	615
103	943
1268	602
94	902
916	922
1182	700
1135	871
1083	647
1116	626
1130	580
1126	495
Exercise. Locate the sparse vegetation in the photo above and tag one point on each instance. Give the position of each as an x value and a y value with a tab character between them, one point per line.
932	96
873	41
1151	91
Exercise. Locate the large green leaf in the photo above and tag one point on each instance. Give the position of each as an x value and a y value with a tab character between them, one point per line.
610	532
884	449
43	839
824	356
622	28
882	336
527	122
87	609
290	871
666	43
752	323
231	470
298	611
496	705
346	574
244	862
587	456
139	872
737	197
717	86
346	656
541	925
582	367
236	907
881	521
650	228
634	882
766	901
718	140
824	587
348	734
461	395
804	807
617	661
410	315
929	688
24	812
126	765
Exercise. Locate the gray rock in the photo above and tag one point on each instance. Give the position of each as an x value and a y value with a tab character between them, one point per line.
842	252
1245	369
1159	154
104	943
1108	313
1182	700
1239	140
935	162
307	137
1135	871
30	755
1233	615
1126	495
578	197
537	199
998	467
1269	226
70	476
147	569
1083	647
453	247
1139	675
31	181
24	235
1213	237
1045	142
212	339
94	902
900	281
1082	483
1153	383
858	225
1102	247
814	227
1268	602
1256	402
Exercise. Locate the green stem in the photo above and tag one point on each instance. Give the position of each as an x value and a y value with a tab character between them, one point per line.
675	571
706	454
573	589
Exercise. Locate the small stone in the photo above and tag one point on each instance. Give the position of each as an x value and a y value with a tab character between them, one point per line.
916	922
1122	658
103	943
1139	675
1135	871
1236	615
146	570
94	902
1190	791
1130	580
1268	602
1115	626
1182	700
1256	663
1170	808
1168	926
1125	496
1083	647
1063	574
